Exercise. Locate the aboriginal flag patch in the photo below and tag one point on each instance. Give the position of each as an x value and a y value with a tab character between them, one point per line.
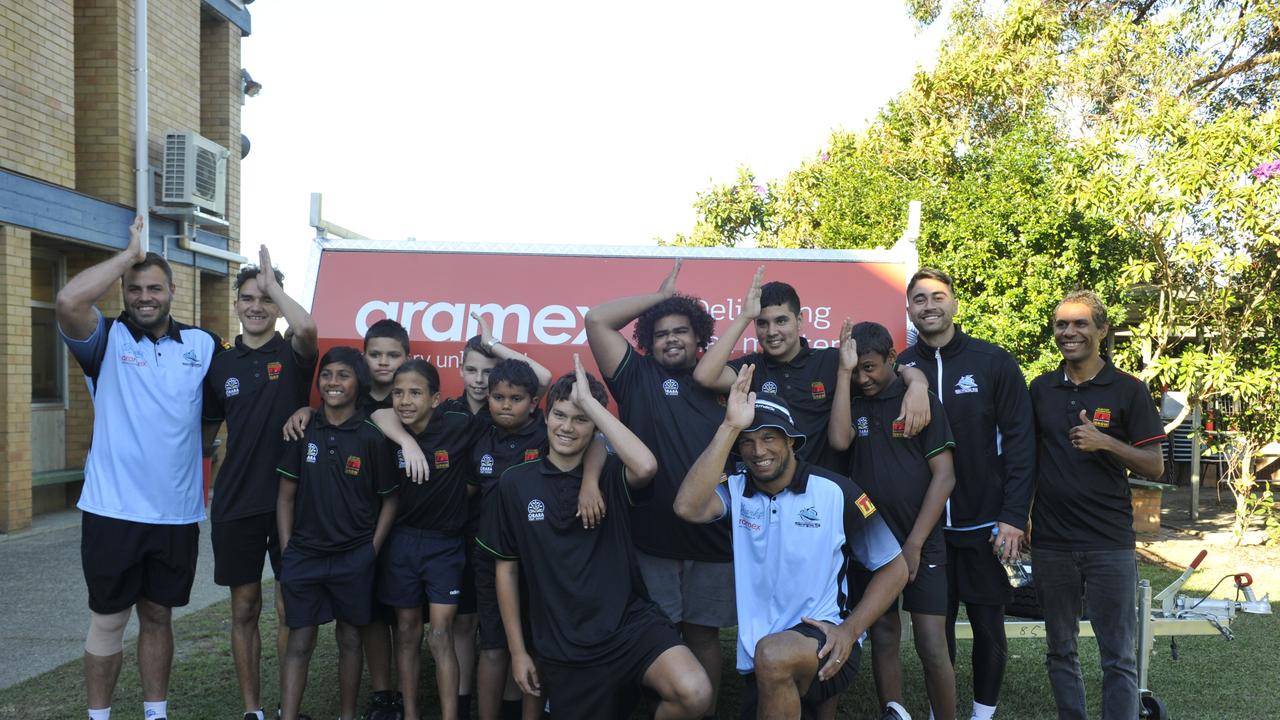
353	465
442	459
1102	417
531	454
865	506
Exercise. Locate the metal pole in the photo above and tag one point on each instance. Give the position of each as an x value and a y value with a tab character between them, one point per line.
1195	460
1145	640
142	161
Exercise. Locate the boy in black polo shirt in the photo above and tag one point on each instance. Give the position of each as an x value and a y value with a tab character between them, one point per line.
909	479
425	551
594	649
336	505
1094	424
254	388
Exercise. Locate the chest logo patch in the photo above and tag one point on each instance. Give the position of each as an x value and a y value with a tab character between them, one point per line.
910	364
400	463
531	454
819	390
353	465
770	387
808	518
670	387
537	511
899	428
313	451
864	426
273	370
134	357
486	464
865	506
190	359
966	384
442	459
231	387
1102	417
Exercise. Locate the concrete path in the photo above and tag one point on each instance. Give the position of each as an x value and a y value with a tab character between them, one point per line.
44	610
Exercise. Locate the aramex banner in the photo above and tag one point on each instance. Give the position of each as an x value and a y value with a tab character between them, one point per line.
536	297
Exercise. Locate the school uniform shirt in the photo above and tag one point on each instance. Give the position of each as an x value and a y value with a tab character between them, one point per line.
676	418
989	410
893	468
145	463
1082	498
791	551
368	404
440	503
586	598
342	472
807	383
254	390
494	450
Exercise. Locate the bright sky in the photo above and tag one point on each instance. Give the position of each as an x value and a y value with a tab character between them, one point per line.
564	122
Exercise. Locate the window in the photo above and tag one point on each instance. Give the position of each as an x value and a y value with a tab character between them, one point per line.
48	356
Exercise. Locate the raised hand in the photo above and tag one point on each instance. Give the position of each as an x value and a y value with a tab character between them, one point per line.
740	410
486	332
848	347
137	248
266	272
668	286
751	303
581	393
1086	437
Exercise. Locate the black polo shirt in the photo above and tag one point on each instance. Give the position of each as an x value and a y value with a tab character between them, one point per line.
460	405
254	390
342	471
807	382
894	469
1082	498
441	502
586	598
677	418
493	450
368	405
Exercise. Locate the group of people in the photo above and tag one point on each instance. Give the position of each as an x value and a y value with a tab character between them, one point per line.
569	561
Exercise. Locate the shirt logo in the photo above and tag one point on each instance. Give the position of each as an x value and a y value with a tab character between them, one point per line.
273	370
134	357
966	384
353	465
819	390
231	387
910	364
1102	417
808	517
312	452
899	428
864	427
400	463
865	506
531	454
442	459
190	359
486	464
537	511
671	387
770	387
750	513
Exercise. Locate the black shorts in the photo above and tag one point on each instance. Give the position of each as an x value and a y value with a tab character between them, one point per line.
317	589
493	634
927	594
819	691
125	560
467	599
610	689
239	547
420	566
974	575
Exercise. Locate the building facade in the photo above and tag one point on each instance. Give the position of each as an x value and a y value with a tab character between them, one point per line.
67	93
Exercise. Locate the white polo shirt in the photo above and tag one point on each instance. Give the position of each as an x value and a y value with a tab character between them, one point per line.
144	464
791	551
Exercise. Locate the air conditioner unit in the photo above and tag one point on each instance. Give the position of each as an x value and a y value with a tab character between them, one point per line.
195	172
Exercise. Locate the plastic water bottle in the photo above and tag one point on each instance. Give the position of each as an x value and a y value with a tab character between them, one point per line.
1019	571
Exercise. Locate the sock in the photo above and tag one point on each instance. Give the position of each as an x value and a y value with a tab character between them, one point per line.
100	713
891	705
983	712
464	706
931	717
512	709
155	709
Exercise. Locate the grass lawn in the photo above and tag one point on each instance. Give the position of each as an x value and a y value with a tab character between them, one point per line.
1212	678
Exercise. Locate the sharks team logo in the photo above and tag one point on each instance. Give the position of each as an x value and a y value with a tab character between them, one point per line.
966	384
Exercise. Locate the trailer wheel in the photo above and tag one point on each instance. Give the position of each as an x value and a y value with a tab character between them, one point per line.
1153	708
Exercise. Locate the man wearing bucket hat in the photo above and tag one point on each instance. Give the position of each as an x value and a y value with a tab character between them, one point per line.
796	528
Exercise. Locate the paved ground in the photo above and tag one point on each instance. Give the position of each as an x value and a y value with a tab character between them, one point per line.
44	605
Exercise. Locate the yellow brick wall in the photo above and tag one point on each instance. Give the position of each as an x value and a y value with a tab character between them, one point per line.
15	378
37	90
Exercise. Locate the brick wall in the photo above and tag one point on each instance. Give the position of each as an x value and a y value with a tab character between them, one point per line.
37	90
15	378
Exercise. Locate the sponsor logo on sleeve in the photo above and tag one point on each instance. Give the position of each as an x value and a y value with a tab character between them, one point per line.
1102	417
231	387
442	459
353	465
865	506
819	390
537	511
273	370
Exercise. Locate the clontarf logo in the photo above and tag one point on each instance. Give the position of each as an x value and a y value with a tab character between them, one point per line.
190	359
966	384
899	428
273	370
312	452
486	464
531	454
231	387
864	427
442	459
1102	417
865	506
819	390
353	465
537	511
769	387
808	517
671	387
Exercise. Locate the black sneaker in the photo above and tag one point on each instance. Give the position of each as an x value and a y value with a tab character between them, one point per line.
385	705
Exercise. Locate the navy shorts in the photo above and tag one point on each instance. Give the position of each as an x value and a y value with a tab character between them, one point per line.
125	560
417	566
239	547
927	594
467	600
321	588
493	634
820	691
974	574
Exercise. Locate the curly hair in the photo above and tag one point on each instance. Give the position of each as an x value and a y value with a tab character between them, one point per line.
690	307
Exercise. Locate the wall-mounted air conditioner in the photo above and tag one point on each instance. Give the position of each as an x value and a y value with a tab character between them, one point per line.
195	172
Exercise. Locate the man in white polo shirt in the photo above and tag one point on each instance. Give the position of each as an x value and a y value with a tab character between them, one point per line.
796	528
142	496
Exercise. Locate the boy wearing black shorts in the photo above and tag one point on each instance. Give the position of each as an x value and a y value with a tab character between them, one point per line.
336	506
594	650
909	479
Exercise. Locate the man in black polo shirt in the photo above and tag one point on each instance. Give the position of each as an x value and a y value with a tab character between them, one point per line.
687	568
989	410
254	388
336	505
788	367
1094	424
597	637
